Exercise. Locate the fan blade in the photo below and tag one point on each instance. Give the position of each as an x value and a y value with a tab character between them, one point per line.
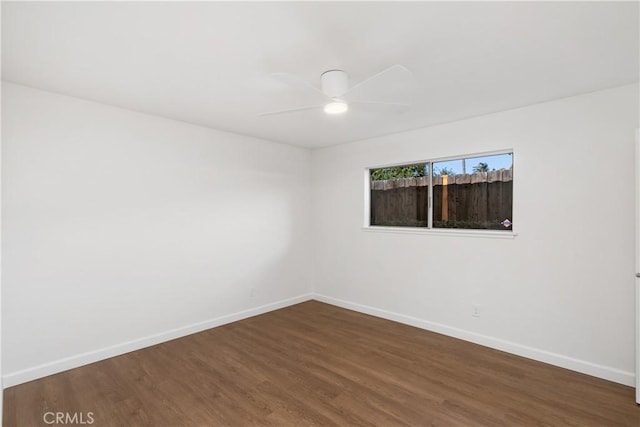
290	110
379	107
395	73
298	83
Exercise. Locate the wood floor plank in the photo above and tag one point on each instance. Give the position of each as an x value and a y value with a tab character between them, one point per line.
314	364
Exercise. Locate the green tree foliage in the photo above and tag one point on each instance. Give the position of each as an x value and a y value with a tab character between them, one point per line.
481	167
409	171
445	171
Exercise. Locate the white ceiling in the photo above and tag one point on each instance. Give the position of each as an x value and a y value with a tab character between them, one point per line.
208	63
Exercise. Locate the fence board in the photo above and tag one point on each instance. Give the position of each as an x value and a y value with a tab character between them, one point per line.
479	200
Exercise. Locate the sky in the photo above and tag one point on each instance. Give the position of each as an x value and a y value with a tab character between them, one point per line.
496	162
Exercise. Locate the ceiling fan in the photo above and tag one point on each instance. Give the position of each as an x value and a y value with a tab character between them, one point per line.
338	96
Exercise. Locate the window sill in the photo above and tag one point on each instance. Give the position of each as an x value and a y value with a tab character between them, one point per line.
491	234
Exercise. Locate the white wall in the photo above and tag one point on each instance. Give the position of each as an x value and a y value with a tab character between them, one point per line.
123	229
1	380
562	291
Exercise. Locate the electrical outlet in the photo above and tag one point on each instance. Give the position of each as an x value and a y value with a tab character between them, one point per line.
475	310
253	292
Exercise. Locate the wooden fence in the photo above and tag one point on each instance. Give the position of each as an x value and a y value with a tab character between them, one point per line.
478	200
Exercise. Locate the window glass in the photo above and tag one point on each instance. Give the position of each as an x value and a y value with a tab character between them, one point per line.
400	195
465	193
474	193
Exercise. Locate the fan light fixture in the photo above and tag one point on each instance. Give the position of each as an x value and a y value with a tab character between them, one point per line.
336	92
336	107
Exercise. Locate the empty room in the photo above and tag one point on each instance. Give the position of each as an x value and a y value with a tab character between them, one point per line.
320	214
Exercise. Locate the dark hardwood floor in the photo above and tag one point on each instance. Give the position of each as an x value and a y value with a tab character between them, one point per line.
315	364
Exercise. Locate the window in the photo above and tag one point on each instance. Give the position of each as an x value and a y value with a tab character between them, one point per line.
459	193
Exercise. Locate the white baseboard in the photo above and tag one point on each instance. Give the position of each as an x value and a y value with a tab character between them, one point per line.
593	369
50	368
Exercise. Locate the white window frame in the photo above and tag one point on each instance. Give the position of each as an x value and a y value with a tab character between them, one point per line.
498	234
